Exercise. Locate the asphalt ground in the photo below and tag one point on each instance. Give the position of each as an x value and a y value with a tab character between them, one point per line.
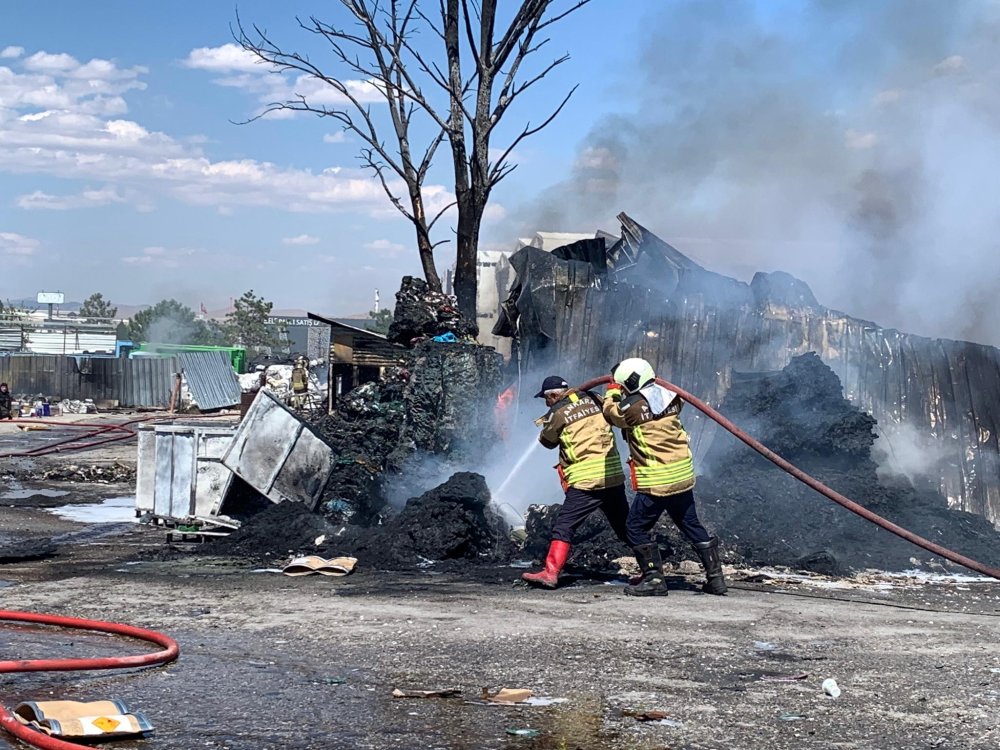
276	663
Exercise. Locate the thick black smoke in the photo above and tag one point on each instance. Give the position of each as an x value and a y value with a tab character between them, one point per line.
851	143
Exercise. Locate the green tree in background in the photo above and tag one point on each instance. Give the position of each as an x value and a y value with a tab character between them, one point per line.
381	321
95	307
246	325
171	322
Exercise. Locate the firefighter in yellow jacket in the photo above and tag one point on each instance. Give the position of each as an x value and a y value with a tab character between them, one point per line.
590	470
662	473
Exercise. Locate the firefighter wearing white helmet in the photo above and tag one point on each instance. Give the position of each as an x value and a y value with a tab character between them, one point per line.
662	472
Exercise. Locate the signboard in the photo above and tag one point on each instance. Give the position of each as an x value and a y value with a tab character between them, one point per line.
51	298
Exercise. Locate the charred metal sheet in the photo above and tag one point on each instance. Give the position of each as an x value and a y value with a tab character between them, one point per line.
211	379
279	455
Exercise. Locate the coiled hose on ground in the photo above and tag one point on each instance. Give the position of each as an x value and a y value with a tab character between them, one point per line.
817	485
37	739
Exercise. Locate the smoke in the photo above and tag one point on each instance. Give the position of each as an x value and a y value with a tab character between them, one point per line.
850	143
170	329
905	450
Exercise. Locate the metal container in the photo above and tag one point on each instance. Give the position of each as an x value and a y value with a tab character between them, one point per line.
279	455
180	470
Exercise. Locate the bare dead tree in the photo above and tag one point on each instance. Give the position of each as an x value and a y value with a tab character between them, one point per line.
478	96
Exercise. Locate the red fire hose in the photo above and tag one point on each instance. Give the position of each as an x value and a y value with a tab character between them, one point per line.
817	485
37	739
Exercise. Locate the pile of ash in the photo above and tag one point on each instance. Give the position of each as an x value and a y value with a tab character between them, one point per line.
453	521
440	404
421	314
276	531
768	517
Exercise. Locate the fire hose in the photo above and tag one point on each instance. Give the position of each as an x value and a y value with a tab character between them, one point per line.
96	430
43	741
814	483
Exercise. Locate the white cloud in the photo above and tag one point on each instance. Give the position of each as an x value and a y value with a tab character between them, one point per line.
385	247
855	139
13	244
10	53
240	69
951	64
888	96
86	199
57	122
161	257
339	137
302	239
228	58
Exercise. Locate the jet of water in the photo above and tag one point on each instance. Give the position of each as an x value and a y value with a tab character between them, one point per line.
514	472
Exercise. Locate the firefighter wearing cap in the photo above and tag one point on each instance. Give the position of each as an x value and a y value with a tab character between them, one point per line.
662	471
590	470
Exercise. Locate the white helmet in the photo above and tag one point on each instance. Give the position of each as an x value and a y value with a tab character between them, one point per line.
633	374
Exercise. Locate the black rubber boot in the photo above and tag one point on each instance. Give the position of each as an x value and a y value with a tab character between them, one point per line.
651	569
708	552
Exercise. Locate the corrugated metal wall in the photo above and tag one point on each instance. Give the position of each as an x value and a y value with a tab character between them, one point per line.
131	382
211	379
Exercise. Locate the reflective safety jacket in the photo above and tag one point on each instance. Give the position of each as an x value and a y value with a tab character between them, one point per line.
660	455
588	456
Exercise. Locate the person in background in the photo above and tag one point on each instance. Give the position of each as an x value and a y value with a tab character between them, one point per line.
662	471
590	470
6	402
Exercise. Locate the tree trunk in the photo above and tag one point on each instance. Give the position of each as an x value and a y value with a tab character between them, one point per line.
467	247
424	245
427	263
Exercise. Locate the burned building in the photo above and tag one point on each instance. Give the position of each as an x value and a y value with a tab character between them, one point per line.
356	356
592	303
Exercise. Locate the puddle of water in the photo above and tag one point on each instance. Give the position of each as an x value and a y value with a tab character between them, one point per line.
5	584
112	510
28	494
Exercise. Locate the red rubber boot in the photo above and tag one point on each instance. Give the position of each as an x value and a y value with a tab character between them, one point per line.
554	562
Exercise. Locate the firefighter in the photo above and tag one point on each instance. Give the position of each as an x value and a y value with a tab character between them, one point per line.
590	470
6	402
662	473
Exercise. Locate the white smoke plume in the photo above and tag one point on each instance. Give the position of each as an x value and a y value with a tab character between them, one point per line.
851	143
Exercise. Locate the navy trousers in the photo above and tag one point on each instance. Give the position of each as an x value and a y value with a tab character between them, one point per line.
647	509
581	503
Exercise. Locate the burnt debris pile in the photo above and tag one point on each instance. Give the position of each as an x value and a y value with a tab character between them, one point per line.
364	434
421	314
440	404
768	517
452	522
274	532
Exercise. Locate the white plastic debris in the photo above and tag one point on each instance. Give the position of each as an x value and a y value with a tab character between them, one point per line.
831	688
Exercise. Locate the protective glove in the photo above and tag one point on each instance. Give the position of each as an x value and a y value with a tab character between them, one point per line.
614	392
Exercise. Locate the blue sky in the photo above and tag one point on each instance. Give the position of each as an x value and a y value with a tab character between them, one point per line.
179	201
852	144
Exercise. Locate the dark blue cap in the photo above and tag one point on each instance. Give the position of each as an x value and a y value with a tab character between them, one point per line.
552	383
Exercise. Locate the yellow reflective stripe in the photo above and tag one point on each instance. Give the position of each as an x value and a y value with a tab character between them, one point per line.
594	468
641	443
567	444
665	473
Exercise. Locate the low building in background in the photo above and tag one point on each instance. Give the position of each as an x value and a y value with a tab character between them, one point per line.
355	356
